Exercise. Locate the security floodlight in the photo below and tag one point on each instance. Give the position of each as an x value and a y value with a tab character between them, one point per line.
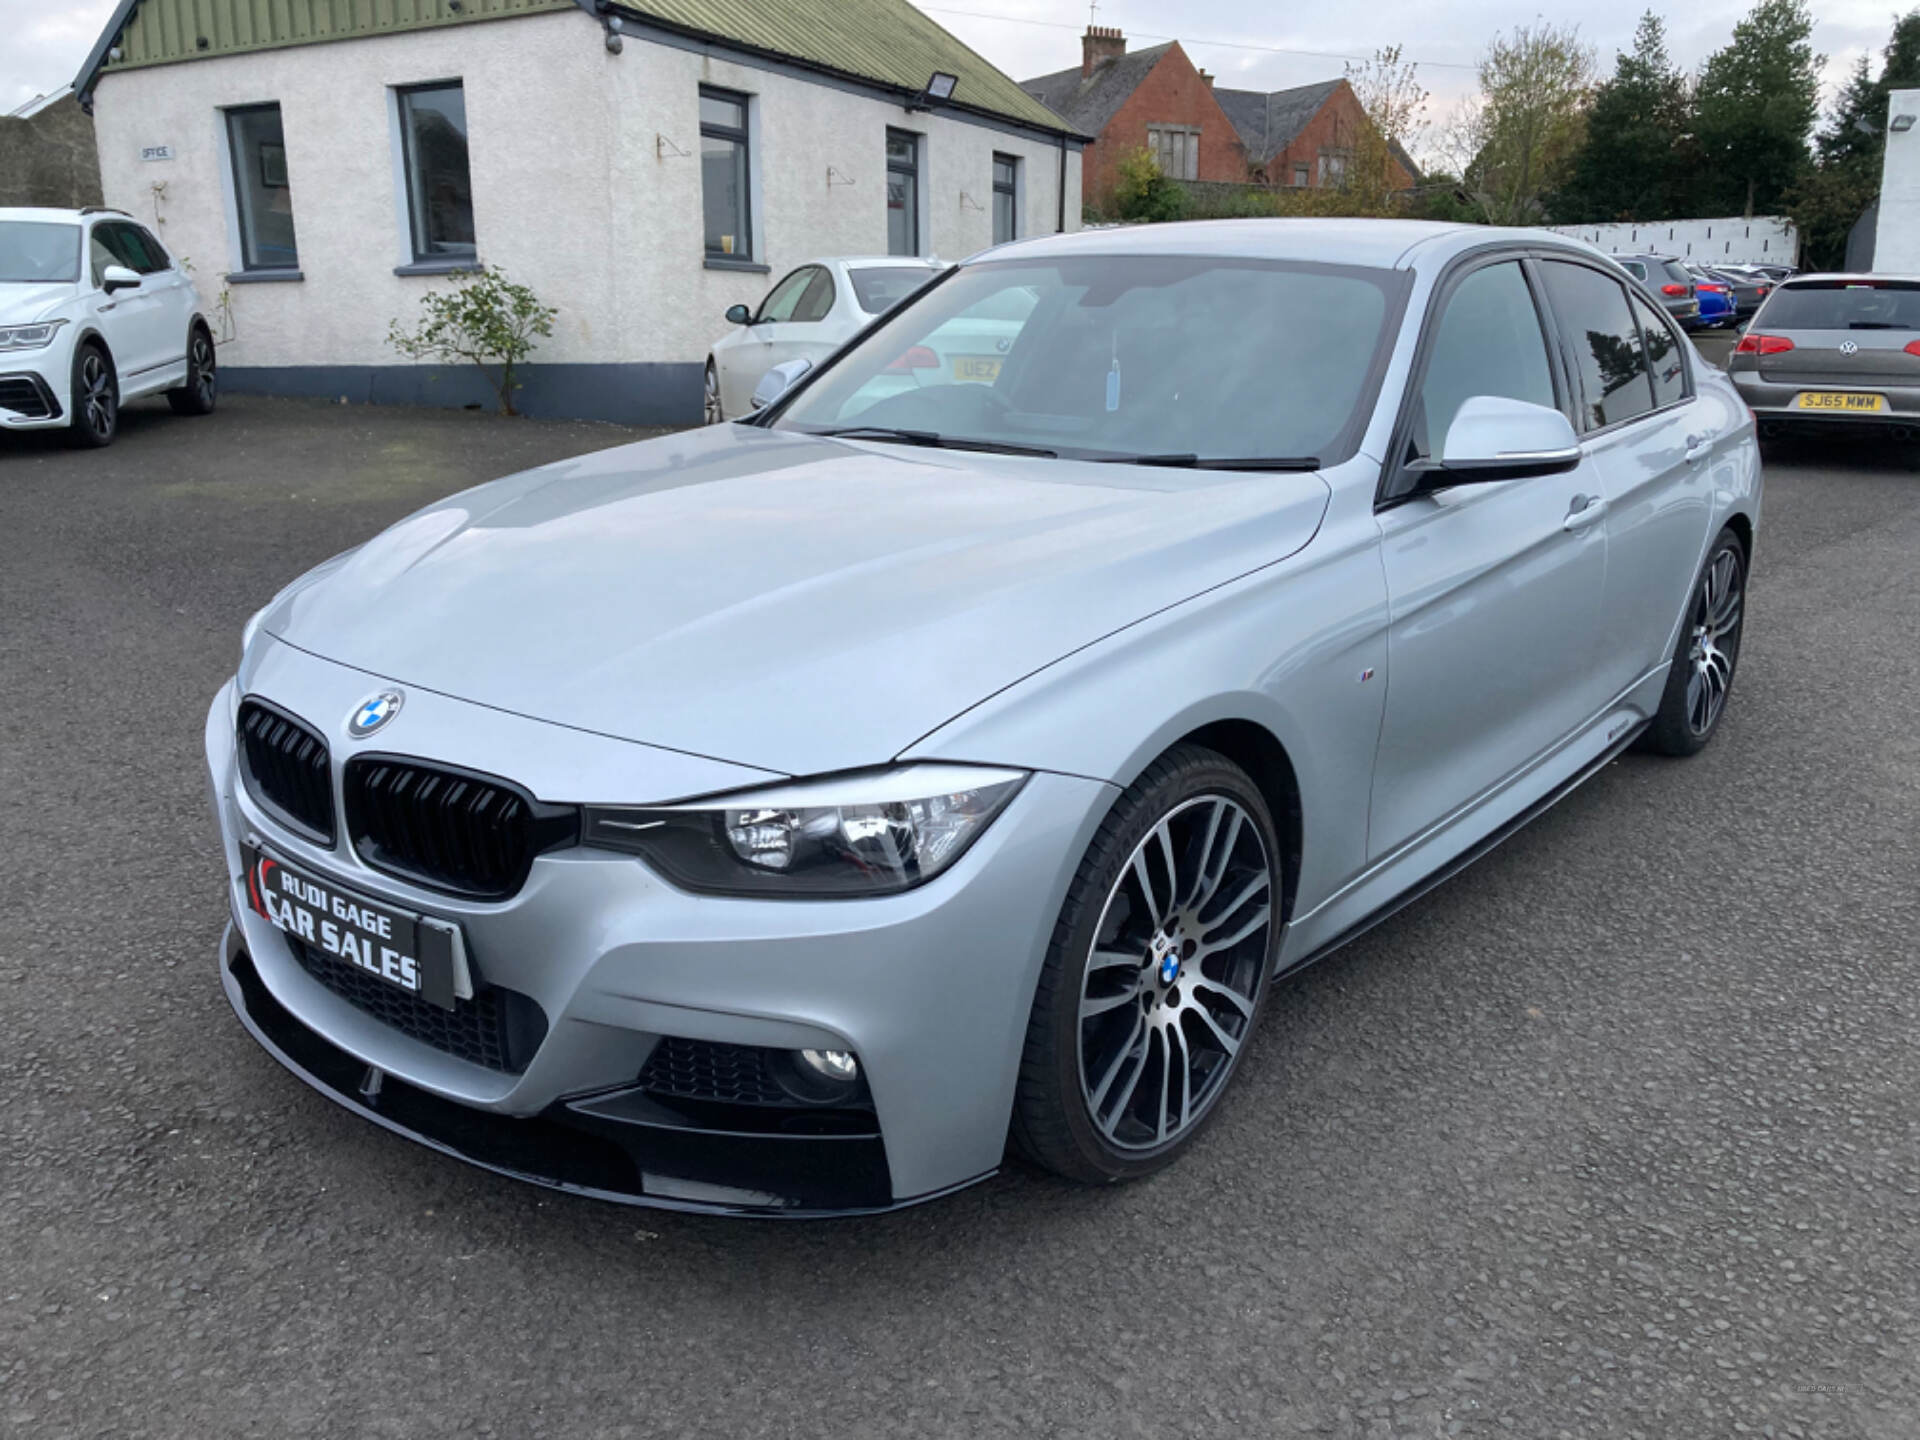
1901	124
940	88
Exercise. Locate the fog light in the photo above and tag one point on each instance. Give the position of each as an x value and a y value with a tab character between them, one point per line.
836	1065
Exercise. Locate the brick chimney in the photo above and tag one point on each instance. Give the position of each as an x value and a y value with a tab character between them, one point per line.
1100	44
1208	79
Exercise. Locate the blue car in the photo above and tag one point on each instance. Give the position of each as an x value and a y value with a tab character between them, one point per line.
1717	305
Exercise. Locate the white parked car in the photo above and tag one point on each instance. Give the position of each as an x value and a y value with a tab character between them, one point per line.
93	312
810	314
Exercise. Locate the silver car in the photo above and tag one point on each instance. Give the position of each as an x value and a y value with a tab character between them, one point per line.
1829	350
789	817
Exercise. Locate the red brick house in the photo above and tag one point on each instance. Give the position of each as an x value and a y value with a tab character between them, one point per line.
1198	130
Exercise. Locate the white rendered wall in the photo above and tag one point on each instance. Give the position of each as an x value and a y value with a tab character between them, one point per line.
1763	240
585	183
1896	246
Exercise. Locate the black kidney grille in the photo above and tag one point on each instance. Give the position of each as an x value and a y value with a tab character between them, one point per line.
449	829
498	1028
707	1070
286	767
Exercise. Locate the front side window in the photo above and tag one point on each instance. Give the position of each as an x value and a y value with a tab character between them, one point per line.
38	252
1006	184
724	173
120	242
784	298
1176	150
1665	359
262	194
1488	342
1602	341
903	193
1118	356
433	129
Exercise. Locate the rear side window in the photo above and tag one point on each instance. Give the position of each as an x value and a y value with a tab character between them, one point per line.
877	289
1603	343
1488	342
1843	305
1634	268
1665	359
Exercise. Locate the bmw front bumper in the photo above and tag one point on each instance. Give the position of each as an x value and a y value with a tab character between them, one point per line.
930	989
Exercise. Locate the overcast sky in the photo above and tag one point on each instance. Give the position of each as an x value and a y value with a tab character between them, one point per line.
47	39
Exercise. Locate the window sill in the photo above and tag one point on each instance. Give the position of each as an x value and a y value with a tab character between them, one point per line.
438	267
264	277
738	262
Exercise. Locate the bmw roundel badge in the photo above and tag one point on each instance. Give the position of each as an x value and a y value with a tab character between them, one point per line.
374	712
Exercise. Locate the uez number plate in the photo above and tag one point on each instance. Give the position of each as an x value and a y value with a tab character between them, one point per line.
396	946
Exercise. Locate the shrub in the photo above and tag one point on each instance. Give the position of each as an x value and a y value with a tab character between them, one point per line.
484	318
1141	192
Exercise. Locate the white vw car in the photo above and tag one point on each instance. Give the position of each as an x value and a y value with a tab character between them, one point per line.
811	313
94	311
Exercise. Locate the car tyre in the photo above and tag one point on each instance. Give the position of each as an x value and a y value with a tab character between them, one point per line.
199	394
710	413
94	397
1700	680
1155	974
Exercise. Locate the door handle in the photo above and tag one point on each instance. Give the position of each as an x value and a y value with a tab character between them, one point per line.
1699	447
1586	509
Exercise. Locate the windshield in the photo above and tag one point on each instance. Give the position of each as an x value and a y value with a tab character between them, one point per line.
881	287
39	252
1844	305
1120	357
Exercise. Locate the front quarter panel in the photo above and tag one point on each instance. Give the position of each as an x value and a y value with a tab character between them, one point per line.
1297	647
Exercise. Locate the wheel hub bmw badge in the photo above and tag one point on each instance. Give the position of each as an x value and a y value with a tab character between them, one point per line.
1166	957
373	713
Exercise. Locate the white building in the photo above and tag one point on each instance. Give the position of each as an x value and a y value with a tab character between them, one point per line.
1896	246
1729	240
643	165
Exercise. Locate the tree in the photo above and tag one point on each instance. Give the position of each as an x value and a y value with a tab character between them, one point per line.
486	319
1141	192
1636	159
1394	103
1512	142
1756	104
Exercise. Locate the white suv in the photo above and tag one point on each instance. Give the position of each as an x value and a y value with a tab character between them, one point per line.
93	311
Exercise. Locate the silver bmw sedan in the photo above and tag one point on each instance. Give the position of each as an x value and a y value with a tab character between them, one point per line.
791	816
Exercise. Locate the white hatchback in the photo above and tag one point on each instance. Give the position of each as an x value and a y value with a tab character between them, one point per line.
94	311
811	313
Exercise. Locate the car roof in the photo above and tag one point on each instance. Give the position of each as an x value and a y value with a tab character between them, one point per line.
1381	244
874	262
1857	277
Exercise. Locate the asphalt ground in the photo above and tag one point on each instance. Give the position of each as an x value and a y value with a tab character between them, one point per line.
1615	1135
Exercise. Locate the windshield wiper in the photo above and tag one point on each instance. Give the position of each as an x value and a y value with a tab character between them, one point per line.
933	440
1218	462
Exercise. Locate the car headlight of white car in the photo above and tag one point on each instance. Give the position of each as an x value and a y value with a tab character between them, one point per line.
875	833
29	337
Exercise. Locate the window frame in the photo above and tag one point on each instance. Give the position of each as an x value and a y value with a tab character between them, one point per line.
743	137
1011	189
1399	480
243	229
458	259
915	169
1190	147
1625	284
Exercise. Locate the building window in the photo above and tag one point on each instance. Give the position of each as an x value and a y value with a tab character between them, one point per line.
723	173
903	193
1006	198
1176	150
1333	168
262	197
433	136
1301	175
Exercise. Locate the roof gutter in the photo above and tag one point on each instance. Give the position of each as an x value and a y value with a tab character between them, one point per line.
97	57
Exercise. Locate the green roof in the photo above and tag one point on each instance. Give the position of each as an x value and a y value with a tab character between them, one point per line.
884	40
887	42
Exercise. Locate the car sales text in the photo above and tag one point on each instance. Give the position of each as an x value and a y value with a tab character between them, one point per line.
388	964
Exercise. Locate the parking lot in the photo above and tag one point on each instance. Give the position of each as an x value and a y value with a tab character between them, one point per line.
1616	1135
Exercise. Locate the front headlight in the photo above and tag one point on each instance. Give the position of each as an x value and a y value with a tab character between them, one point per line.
29	337
875	833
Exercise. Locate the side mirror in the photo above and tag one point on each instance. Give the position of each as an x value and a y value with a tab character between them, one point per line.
118	277
739	315
1494	438
777	381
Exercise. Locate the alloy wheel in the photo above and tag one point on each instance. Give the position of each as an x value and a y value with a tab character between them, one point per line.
711	392
200	367
96	390
1717	610
1169	991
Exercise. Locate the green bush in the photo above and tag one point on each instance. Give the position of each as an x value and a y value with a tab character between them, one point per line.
485	319
1141	192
